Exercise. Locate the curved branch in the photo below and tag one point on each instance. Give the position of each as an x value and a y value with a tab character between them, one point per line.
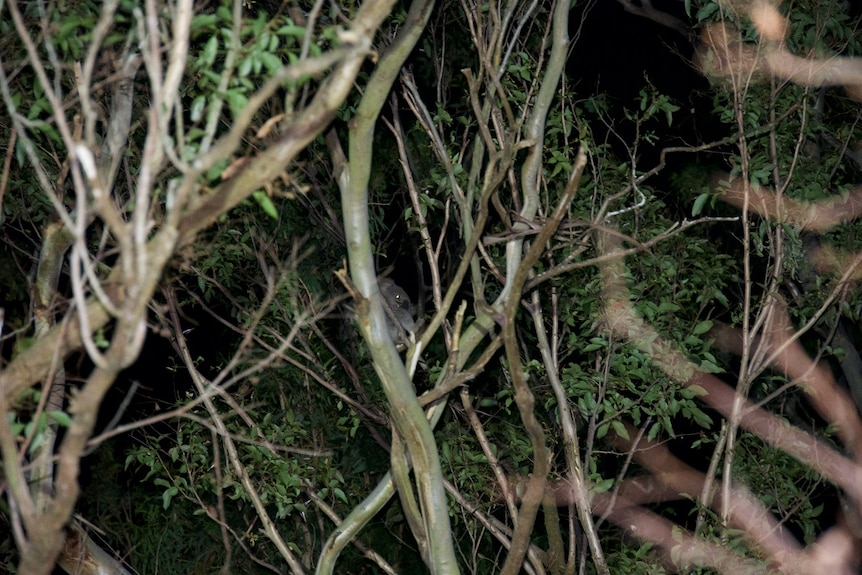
407	414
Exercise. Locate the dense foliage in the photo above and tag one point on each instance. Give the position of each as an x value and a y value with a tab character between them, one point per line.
633	338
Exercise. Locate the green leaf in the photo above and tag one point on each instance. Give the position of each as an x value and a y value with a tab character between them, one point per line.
595	343
693	390
263	40
602	430
707	366
210	50
266	204
702	327
707	11
210	75
603	485
61	417
237	101
699	203
669	109
701	418
168	495
271	61
291	30
666	307
620	429
245	67
197	110
203	21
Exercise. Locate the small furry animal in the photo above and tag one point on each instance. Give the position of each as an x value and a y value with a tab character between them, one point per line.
399	311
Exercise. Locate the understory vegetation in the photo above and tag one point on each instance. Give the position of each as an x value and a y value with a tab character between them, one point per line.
402	287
